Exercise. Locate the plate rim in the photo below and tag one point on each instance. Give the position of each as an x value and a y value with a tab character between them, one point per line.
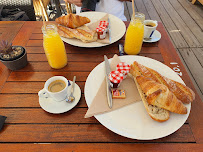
119	132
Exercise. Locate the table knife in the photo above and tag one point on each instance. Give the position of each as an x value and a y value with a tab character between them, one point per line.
121	50
108	88
109	28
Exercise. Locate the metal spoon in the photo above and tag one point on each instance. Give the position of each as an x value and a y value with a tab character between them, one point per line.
71	98
147	39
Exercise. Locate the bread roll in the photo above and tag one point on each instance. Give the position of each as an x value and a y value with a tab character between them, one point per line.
182	92
159	95
154	112
72	20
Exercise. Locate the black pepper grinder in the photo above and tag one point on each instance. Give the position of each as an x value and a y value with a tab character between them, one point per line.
89	5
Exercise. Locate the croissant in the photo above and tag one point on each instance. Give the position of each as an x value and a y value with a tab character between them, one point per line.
159	95
72	20
182	92
156	113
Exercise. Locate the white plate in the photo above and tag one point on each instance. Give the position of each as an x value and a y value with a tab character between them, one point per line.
133	121
118	29
52	106
155	37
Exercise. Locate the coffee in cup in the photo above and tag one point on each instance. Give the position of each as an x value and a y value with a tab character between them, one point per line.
150	24
149	28
55	87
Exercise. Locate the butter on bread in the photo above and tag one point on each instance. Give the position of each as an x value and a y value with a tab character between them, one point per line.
182	92
156	113
118	94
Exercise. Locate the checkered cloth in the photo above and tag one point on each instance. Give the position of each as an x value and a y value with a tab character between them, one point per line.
123	68
100	29
115	77
103	24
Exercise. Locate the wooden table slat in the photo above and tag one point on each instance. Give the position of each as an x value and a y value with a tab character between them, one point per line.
103	50
28	87
102	147
78	133
43	76
71	67
27	101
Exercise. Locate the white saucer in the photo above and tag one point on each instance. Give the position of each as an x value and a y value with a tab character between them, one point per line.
155	37
57	107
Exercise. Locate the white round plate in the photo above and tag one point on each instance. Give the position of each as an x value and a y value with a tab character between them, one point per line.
155	37
132	121
57	107
118	29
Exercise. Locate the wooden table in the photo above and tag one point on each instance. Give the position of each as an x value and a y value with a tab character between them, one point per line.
29	128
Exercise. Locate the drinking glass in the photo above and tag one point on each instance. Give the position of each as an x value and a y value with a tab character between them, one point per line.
54	47
134	35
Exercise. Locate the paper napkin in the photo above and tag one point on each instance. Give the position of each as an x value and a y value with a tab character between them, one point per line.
94	25
99	104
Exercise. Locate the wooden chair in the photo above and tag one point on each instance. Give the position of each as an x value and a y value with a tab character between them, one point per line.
201	1
45	4
41	5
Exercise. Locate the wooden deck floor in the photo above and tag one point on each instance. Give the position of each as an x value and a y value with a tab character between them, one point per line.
184	23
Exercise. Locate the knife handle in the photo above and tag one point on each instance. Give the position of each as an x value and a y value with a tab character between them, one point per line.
109	96
121	50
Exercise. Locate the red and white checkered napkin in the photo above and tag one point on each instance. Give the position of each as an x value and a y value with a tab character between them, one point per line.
115	76
123	68
103	24
100	29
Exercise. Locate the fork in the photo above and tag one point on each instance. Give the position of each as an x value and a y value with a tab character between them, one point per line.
71	98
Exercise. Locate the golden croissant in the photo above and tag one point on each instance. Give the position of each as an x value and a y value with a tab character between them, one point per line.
156	113
182	92
159	95
72	20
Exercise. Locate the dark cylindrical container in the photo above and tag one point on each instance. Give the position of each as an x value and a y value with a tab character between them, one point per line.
18	63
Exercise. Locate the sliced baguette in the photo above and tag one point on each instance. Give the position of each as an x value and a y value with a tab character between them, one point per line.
154	112
82	33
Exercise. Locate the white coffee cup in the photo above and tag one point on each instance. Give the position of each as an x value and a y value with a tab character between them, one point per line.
149	30
57	96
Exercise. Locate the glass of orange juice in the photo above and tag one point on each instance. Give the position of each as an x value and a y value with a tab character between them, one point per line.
54	47
134	35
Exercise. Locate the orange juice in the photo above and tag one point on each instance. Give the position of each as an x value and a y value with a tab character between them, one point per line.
54	47
134	35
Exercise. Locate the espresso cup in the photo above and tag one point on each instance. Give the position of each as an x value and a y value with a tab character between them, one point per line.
149	28
57	93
